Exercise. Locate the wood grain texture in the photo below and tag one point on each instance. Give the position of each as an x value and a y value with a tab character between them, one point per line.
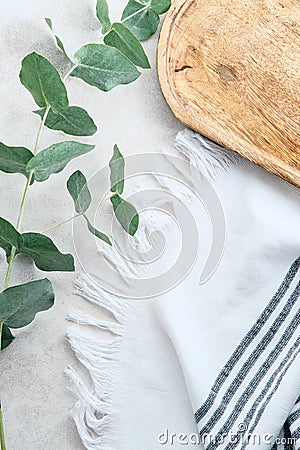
230	69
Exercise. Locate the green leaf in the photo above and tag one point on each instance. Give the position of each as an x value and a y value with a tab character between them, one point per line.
74	121
57	39
126	214
142	20
159	6
55	158
20	304
9	236
7	248
43	81
117	166
104	67
96	232
14	159
124	40
102	13
79	191
7	337
45	254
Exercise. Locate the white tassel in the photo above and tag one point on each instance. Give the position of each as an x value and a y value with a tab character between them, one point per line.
92	413
87	288
82	319
207	156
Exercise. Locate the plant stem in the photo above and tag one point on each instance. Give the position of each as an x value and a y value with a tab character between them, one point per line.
19	224
136	13
69	72
129	17
61	223
24	198
2	438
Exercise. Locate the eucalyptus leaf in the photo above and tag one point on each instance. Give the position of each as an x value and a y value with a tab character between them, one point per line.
126	214
124	40
14	159
9	236
20	304
7	337
79	191
117	167
7	248
104	67
74	121
43	81
142	20
96	232
159	6
57	39
45	254
55	158
102	13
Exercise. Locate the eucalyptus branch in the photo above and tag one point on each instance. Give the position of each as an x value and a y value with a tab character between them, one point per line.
116	61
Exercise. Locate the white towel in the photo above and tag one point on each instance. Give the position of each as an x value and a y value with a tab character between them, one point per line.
211	358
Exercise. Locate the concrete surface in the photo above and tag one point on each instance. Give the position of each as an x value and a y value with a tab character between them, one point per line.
33	386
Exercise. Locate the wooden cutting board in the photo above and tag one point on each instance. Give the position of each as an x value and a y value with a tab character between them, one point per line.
230	69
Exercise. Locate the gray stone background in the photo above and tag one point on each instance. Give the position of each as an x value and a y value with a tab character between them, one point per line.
34	394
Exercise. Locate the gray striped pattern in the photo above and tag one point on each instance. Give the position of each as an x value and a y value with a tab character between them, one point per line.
290	430
251	360
293	423
288	445
263	407
239	406
247	340
293	352
289	356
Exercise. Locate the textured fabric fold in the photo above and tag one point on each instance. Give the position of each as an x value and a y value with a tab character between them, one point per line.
211	364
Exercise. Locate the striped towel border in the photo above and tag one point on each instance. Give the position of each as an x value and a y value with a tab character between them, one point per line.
276	350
